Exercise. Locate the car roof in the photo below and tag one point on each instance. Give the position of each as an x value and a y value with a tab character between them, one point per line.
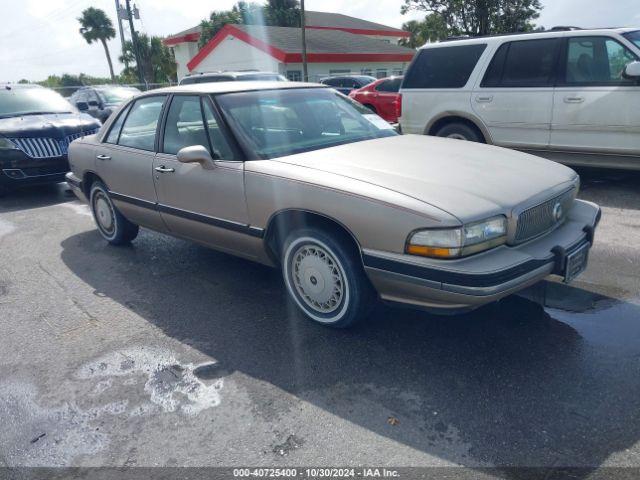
232	87
559	32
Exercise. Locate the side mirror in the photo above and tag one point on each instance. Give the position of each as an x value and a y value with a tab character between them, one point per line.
82	106
632	70
196	154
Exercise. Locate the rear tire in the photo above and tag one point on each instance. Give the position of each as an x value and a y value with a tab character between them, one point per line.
460	131
111	224
325	278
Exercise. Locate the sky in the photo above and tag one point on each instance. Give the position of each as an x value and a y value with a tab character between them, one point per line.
40	37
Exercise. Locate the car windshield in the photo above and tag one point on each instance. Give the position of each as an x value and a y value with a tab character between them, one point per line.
634	37
31	101
116	94
275	123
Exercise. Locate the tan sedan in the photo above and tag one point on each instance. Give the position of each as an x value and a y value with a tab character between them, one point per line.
298	176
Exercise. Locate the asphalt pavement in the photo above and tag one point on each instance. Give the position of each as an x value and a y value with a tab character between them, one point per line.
165	353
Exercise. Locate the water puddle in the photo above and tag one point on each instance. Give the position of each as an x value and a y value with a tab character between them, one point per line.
170	385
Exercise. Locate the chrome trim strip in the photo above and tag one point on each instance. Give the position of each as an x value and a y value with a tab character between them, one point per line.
196	217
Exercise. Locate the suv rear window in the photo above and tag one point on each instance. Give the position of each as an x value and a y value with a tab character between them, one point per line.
443	67
524	63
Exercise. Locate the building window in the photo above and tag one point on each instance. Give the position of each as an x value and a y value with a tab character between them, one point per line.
381	73
333	73
397	72
294	75
366	71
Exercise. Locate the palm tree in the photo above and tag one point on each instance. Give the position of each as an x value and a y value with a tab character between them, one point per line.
97	26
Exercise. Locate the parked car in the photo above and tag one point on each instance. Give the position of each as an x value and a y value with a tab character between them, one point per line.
249	76
571	96
297	176
36	127
381	97
100	101
345	84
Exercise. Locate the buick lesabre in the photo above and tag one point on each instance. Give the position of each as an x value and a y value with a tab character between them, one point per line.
300	177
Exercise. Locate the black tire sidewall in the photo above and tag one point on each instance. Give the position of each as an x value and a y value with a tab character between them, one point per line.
351	307
122	228
466	131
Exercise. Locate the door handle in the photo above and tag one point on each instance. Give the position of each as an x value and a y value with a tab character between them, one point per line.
484	98
103	157
164	169
573	99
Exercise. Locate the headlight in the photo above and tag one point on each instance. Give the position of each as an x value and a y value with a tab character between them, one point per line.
460	241
6	144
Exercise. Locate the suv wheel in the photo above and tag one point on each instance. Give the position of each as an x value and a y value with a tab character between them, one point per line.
325	279
111	224
459	131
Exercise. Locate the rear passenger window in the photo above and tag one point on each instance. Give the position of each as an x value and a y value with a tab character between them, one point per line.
139	129
526	63
443	67
392	86
114	133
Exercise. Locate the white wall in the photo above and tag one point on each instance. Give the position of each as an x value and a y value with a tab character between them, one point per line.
317	71
184	52
234	54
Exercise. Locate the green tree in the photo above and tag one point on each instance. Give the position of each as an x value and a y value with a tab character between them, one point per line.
279	13
431	29
158	62
480	17
97	26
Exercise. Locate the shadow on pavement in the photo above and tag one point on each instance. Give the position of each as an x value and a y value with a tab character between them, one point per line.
511	382
35	197
610	188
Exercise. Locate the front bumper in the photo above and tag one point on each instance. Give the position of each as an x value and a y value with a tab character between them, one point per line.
75	184
17	169
468	283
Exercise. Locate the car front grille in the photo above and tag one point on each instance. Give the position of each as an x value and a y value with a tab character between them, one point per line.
48	147
544	217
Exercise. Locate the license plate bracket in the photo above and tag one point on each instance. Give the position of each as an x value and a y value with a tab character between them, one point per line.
576	263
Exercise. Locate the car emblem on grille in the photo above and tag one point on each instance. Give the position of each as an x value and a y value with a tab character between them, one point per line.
557	211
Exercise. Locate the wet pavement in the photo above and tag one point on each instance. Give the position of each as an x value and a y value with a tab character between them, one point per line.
166	353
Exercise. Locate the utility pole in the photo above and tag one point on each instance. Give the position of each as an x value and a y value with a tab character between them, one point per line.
134	42
303	27
119	11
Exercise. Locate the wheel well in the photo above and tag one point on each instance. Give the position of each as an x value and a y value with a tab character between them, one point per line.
369	106
87	181
284	222
442	122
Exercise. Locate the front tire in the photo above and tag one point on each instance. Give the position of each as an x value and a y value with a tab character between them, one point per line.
460	131
111	224
325	278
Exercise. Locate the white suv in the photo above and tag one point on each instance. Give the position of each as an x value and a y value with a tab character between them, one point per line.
568	95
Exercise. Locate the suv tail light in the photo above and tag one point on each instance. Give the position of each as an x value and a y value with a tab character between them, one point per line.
399	105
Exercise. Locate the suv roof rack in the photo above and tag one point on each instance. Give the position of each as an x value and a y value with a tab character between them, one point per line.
563	28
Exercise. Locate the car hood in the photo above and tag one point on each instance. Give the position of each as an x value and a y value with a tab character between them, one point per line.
468	180
56	125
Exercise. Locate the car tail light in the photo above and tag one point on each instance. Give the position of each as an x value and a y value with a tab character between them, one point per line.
399	105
